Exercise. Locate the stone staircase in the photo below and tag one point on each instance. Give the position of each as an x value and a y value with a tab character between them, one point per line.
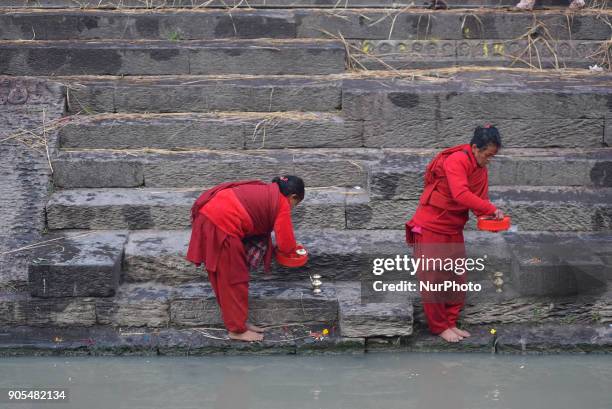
165	101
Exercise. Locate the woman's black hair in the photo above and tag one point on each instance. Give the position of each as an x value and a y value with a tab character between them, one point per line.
290	185
485	136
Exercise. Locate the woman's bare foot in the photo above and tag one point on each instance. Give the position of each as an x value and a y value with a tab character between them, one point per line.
254	328
248	336
526	5
461	332
577	4
450	336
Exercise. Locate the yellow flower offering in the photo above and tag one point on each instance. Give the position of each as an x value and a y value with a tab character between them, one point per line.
493	331
325	331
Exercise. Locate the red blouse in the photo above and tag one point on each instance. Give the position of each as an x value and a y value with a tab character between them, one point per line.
227	213
463	187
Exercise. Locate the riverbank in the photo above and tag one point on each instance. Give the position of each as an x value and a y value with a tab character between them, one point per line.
298	339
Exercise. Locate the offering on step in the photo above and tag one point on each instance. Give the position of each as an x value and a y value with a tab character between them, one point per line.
298	258
488	223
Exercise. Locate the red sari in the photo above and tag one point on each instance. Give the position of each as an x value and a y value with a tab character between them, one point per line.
454	185
226	217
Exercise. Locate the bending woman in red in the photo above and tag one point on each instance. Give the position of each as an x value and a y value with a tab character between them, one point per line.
456	181
231	234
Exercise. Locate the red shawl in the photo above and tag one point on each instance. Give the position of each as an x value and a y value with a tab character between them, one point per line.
261	203
438	211
434	173
259	199
210	193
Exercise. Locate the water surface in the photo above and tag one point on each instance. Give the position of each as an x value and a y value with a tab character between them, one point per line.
372	381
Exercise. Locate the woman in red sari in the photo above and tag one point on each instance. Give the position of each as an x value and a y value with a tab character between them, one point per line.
231	234
456	181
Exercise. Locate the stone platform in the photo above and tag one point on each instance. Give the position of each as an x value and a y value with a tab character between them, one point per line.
101	341
224	4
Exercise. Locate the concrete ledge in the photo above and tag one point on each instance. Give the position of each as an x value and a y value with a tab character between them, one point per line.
271	57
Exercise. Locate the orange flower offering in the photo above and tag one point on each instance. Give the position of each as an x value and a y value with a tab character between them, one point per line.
491	224
296	259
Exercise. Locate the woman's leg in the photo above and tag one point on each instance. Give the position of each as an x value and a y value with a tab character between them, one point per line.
456	299
430	245
233	297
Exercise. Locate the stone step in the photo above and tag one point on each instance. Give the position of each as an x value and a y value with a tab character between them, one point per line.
104	340
202	94
233	4
164	209
535	54
521	338
227	130
249	130
533	208
527	338
123	57
85	264
390	173
386	26
199	168
400	174
362	320
409	109
531	109
338	255
538	309
546	264
351	24
158	305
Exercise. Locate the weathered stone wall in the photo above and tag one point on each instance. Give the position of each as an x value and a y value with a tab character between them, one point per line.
25	105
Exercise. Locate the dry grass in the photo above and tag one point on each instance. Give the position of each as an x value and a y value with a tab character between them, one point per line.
603	55
45	243
37	138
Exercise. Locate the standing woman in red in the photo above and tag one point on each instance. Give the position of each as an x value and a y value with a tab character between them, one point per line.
456	181
231	234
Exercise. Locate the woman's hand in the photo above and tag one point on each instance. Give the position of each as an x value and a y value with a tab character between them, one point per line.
498	214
